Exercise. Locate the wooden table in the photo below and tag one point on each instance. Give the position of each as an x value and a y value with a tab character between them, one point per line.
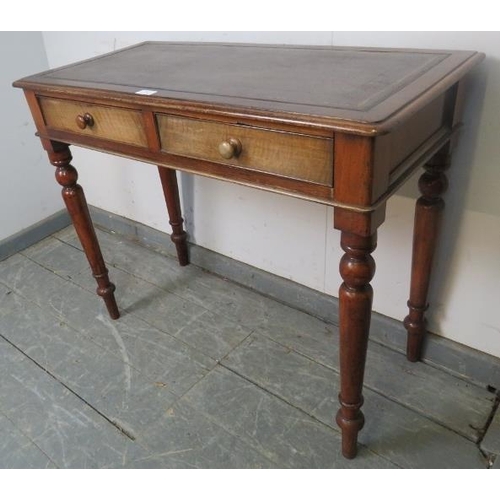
339	126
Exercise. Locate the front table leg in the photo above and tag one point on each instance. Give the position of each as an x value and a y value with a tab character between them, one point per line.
428	210
74	198
357	268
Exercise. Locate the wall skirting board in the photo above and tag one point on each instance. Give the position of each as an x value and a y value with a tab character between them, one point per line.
478	367
31	235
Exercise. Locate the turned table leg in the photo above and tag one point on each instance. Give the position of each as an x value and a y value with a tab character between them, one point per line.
357	268
74	198
428	212
168	179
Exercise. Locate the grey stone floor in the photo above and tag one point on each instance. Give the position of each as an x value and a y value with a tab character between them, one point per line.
200	372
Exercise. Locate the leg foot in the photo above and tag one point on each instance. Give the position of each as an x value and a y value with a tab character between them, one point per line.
106	290
351	420
428	214
357	268
74	198
168	179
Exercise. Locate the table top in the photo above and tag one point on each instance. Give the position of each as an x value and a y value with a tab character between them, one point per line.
367	87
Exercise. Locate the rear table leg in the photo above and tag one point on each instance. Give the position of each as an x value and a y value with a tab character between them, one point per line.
168	179
428	214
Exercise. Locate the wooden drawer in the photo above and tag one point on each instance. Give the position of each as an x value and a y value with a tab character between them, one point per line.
105	122
289	155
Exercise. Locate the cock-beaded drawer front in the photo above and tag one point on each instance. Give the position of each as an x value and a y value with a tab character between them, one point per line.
285	154
105	122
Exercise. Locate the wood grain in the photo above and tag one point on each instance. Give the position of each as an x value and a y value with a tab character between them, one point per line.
428	215
168	178
116	124
76	204
290	155
357	269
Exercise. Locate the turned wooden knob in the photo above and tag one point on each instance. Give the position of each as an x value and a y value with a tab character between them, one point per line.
84	120
230	148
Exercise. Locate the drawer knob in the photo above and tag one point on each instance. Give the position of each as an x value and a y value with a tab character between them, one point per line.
84	120
230	148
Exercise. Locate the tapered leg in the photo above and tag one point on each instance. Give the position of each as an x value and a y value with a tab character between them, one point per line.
357	268
74	198
428	211
168	179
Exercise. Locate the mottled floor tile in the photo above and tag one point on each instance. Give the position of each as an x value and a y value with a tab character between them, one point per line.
68	235
212	334
60	258
283	372
391	429
110	384
46	289
59	423
209	332
203	330
283	434
185	438
159	356
455	403
19	452
155	354
491	440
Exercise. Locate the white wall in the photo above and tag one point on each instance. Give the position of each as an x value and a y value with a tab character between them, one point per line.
28	191
294	238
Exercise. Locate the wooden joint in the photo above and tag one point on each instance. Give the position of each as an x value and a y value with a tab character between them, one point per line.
104	291
440	161
357	266
351	406
60	156
432	184
350	418
66	175
416	308
179	237
102	275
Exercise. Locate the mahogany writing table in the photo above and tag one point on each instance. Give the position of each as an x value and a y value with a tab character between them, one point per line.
340	126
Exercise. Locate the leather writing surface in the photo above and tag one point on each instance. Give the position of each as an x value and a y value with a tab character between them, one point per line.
307	76
347	83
